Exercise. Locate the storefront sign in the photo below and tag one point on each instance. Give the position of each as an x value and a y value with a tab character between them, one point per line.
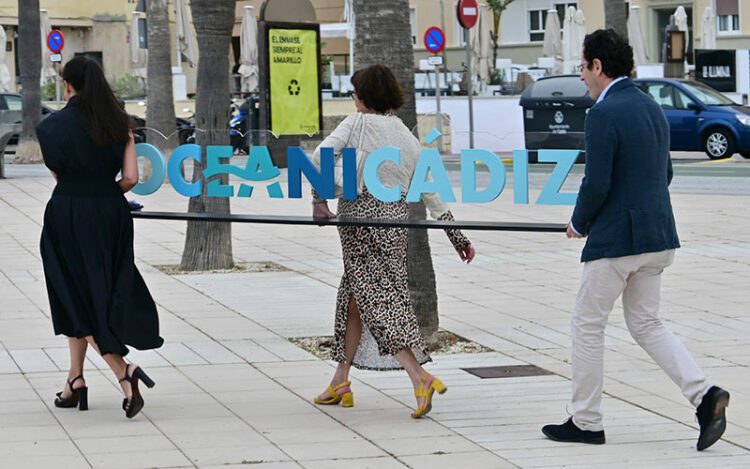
717	69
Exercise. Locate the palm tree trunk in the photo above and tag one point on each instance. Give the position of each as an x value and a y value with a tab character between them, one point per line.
160	114
208	245
384	36
615	16
497	7
30	65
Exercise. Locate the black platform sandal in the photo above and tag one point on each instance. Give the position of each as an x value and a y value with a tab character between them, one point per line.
78	397
134	405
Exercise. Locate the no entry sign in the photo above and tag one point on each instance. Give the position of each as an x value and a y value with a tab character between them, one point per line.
468	13
55	41
434	40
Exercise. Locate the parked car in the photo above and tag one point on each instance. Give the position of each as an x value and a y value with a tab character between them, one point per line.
700	118
10	112
11	105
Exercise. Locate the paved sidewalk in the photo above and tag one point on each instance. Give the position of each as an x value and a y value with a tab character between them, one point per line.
232	391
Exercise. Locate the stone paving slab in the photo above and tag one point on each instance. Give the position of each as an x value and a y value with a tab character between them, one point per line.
234	392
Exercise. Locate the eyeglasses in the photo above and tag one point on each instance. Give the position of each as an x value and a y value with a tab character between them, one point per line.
354	95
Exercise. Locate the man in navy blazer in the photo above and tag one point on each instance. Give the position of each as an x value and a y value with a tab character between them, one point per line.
624	211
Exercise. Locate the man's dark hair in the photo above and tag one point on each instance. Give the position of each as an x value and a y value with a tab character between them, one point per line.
376	86
612	50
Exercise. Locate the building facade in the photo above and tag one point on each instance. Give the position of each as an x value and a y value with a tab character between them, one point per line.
522	26
97	28
101	29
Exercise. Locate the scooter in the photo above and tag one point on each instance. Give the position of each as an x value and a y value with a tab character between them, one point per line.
238	127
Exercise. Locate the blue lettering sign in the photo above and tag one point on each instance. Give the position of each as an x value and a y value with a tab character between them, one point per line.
496	184
158	169
430	162
372	181
429	176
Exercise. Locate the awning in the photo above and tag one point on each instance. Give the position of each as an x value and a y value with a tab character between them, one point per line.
328	30
63	22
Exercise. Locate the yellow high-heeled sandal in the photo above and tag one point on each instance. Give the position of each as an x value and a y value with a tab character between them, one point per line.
426	391
346	398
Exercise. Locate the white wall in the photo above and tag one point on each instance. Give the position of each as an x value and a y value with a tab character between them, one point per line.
498	121
514	24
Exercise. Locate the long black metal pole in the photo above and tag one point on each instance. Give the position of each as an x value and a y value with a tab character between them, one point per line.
379	223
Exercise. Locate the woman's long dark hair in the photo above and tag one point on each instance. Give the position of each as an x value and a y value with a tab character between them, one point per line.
108	122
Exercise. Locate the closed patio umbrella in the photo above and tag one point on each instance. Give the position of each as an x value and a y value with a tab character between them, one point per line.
351	31
249	51
708	39
186	41
553	40
5	79
571	51
580	23
636	37
481	45
681	21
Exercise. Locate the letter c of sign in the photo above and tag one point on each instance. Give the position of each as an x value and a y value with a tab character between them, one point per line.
182	153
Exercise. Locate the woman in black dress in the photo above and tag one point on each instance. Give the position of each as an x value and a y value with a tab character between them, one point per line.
97	296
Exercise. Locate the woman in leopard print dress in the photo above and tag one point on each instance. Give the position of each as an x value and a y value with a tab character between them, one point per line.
376	327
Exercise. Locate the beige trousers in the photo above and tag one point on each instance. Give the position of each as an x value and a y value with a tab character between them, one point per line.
638	279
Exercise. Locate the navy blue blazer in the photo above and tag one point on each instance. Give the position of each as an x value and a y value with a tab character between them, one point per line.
623	205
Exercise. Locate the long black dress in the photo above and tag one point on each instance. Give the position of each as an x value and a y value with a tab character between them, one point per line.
93	285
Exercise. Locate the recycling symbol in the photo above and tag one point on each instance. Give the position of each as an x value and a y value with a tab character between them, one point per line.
294	88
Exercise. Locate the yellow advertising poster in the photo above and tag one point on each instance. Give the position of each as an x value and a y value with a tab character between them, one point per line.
293	72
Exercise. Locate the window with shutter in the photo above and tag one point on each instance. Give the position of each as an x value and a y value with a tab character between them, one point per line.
728	15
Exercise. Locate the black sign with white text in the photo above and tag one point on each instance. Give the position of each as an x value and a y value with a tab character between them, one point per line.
717	69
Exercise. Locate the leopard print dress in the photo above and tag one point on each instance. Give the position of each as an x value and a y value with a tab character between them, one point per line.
375	276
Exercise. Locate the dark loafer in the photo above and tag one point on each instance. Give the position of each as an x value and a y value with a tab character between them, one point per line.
712	417
569	433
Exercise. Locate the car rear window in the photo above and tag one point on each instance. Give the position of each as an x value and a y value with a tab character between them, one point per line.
560	87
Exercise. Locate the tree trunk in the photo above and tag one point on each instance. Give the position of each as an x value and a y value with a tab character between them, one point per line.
208	245
384	36
497	7
160	116
30	65
422	287
615	17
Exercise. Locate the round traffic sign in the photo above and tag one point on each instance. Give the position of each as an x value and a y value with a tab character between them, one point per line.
468	13
434	39
55	41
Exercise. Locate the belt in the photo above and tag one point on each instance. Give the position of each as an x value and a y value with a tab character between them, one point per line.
87	188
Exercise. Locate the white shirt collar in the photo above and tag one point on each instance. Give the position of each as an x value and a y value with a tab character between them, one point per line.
606	90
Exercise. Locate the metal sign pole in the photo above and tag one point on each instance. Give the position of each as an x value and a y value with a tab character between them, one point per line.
55	44
57	85
434	41
438	115
469	87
